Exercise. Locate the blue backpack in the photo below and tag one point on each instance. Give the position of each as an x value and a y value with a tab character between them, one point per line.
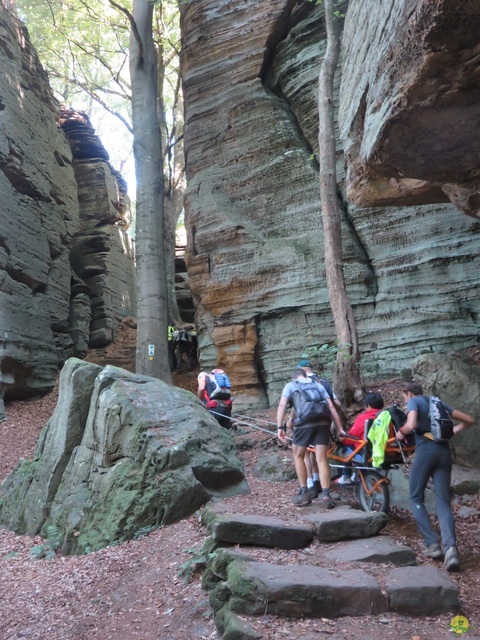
218	386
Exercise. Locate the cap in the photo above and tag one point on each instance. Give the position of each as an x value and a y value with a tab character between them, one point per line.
304	363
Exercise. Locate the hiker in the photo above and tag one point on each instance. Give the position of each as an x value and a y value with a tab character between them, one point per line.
193	344
171	348
312	415
214	389
373	405
182	345
432	460
313	479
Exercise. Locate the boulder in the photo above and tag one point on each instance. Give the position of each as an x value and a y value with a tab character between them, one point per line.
457	382
121	452
275	467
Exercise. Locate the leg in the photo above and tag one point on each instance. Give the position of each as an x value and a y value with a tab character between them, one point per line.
441	481
323	466
222	416
300	468
422	468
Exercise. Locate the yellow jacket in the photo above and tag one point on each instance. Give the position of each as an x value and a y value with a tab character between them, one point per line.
378	436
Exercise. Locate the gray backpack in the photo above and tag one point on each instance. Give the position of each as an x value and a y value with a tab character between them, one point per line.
310	404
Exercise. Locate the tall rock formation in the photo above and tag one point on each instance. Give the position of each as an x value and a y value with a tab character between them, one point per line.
38	200
66	271
102	253
255	250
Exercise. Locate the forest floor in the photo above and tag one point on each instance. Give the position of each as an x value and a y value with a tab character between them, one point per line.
136	590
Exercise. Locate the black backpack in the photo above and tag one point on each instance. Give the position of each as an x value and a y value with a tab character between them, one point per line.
310	404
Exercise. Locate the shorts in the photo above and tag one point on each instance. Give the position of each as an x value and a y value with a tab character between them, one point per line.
311	435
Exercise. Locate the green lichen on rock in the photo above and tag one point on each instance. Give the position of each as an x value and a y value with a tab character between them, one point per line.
122	453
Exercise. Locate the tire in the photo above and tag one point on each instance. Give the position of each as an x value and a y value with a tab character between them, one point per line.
379	500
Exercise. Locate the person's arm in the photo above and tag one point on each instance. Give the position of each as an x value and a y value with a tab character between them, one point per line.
465	421
282	407
409	426
201	387
336	418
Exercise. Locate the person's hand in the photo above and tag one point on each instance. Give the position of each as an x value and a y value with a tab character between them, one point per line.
399	435
281	435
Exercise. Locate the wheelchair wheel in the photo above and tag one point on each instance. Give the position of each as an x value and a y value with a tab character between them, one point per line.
371	499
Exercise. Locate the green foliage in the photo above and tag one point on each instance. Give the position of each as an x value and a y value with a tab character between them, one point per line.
323	356
144	531
197	562
48	549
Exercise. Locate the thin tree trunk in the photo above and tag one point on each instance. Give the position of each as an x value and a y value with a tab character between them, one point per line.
347	374
152	317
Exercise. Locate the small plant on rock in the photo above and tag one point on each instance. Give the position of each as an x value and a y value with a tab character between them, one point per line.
197	562
49	548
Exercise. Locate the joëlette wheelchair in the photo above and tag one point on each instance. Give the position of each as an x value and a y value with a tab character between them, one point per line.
371	483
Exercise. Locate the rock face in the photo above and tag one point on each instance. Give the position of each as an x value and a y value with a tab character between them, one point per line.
122	452
254	253
38	200
66	267
410	103
102	254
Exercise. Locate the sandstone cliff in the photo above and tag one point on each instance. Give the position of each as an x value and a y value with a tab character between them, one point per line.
65	279
410	102
255	256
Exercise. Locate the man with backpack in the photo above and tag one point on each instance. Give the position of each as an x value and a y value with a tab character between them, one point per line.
312	414
432	421
313	480
215	391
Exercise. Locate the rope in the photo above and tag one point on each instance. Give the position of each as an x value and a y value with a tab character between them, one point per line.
256	419
247	424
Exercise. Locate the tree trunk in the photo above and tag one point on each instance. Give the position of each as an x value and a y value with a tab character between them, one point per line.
347	379
152	317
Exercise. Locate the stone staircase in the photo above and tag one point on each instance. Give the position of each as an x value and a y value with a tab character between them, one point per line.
241	585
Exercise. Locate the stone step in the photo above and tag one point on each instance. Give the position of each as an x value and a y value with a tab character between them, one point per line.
259	531
294	590
342	523
377	550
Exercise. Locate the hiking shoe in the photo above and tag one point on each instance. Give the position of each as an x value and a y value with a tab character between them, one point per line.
302	498
344	480
434	551
328	502
452	563
317	485
313	492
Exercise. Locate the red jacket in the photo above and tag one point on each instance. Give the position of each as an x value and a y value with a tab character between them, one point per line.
358	427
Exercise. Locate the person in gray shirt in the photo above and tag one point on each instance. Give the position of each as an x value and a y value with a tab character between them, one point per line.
432	460
312	429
